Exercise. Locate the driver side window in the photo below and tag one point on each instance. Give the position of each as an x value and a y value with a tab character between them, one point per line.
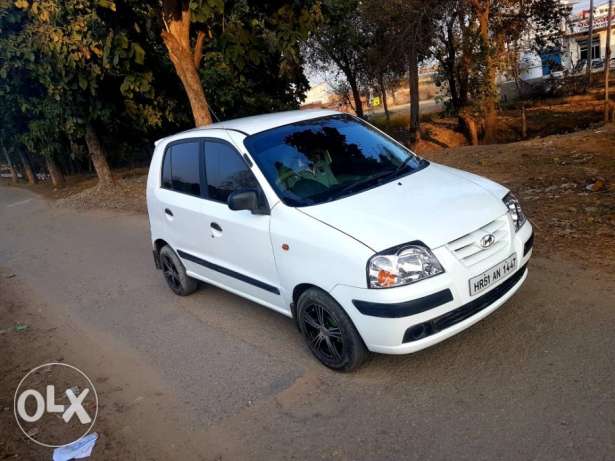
226	171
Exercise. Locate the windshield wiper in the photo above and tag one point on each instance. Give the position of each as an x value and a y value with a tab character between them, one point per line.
350	187
403	164
377	179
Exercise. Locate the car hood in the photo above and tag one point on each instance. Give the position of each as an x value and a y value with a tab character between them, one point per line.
435	205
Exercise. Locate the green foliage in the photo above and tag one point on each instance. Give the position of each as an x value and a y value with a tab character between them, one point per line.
252	62
80	62
67	63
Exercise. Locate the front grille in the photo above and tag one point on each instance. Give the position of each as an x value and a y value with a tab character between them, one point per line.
468	249
422	330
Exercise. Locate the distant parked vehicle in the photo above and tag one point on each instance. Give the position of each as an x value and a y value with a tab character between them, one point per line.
6	173
597	64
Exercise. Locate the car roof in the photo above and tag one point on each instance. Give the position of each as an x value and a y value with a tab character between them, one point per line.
258	123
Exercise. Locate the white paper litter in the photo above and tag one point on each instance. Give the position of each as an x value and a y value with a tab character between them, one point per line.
82	448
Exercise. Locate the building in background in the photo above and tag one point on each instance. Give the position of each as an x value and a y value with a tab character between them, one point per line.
577	36
572	55
318	96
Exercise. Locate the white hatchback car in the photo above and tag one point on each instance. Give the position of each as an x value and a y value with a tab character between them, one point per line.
325	219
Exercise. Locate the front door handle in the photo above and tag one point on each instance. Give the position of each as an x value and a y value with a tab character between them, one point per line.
169	212
215	226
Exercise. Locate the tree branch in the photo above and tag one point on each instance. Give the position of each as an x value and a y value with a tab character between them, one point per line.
198	48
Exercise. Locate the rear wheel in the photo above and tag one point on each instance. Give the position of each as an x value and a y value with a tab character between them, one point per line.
174	273
329	332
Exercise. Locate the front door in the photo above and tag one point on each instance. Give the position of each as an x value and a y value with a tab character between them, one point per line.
240	255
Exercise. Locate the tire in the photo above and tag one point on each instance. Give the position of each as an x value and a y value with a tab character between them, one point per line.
328	331
174	273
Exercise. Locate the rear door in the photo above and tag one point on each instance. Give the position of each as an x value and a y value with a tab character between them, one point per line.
240	251
182	196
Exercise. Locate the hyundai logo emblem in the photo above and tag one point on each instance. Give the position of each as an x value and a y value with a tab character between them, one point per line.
487	240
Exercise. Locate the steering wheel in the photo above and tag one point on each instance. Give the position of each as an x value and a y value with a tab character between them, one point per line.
284	177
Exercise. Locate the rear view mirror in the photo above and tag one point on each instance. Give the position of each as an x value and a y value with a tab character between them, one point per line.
248	200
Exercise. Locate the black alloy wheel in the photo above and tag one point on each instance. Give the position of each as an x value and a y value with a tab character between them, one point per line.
328	331
171	275
326	340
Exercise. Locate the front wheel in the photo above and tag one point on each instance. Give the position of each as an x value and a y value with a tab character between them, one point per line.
328	331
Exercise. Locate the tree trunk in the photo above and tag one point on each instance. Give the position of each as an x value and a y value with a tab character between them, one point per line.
176	38
413	81
470	126
523	122
27	168
489	90
607	63
463	77
356	94
451	65
9	162
98	156
183	61
385	103
591	44
57	178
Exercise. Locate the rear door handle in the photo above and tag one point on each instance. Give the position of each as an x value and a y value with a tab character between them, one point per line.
169	212
216	226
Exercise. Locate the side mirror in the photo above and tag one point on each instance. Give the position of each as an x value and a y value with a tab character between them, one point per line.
248	199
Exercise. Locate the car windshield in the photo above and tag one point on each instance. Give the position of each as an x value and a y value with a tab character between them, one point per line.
324	159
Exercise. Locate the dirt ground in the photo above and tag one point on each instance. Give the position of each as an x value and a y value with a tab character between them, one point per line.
215	377
29	338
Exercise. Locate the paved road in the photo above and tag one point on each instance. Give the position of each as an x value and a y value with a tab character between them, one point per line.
428	106
533	381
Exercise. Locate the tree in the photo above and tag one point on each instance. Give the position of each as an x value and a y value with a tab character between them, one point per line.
409	26
177	17
454	47
473	40
342	40
86	65
386	66
13	86
253	63
212	41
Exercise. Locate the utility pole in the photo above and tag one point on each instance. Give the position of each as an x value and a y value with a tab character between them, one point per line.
607	64
590	48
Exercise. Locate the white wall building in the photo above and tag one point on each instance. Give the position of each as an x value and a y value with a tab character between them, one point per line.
577	35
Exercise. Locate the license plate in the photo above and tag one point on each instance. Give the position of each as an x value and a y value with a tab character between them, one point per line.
493	276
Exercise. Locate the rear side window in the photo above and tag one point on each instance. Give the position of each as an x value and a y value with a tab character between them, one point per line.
180	169
226	171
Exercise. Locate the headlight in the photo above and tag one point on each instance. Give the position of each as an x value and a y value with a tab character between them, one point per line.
402	265
514	210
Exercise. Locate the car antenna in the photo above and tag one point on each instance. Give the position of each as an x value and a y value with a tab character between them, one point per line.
214	114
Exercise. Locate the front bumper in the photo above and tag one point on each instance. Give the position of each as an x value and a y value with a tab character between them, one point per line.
423	314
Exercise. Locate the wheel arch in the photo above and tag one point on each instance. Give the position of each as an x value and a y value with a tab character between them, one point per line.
158	244
297	292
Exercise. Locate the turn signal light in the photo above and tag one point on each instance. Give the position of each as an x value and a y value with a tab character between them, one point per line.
386	279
